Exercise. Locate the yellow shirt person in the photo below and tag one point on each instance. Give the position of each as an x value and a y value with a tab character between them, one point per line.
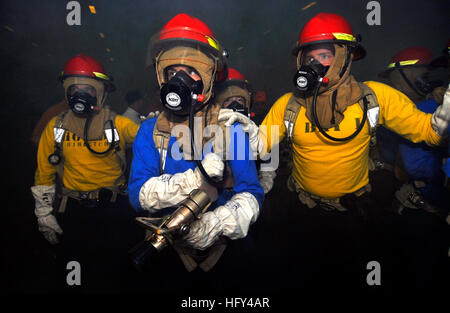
331	169
83	170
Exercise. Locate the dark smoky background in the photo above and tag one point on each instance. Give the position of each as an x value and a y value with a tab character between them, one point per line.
36	42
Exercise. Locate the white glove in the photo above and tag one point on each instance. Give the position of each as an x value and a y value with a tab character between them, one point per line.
48	224
441	117
213	165
232	220
152	114
248	126
169	190
49	227
266	178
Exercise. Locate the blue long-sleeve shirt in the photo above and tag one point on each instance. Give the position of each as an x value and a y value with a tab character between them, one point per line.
420	161
425	163
146	164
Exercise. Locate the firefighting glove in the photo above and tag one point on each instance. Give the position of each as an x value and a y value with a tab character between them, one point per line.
47	223
232	220
266	178
248	126
152	115
441	117
169	190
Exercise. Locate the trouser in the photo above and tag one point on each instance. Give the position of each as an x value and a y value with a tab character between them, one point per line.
98	238
325	252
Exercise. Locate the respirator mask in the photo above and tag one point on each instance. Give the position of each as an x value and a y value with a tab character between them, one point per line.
82	103
239	107
432	79
180	92
310	74
80	100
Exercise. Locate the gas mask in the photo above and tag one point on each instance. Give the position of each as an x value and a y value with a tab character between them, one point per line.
432	79
180	92
79	91
309	76
238	107
420	80
82	103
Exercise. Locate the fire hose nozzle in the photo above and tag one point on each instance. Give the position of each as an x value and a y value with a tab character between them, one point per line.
165	229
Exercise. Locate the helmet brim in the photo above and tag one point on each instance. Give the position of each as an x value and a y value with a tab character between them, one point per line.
358	51
109	85
386	72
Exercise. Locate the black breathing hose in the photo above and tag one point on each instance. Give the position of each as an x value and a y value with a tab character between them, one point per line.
322	131
86	127
208	178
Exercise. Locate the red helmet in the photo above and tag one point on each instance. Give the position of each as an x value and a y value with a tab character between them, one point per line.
329	28
412	56
86	66
234	74
234	85
236	78
189	31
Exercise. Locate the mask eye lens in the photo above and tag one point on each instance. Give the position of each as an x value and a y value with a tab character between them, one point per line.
309	60
171	73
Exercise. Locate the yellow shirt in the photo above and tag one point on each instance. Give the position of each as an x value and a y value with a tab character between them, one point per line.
332	169
83	170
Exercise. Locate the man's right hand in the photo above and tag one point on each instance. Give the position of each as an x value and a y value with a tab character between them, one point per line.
440	120
49	227
230	117
213	165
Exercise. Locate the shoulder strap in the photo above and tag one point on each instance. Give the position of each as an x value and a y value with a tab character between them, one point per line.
59	135
161	140
373	110
290	117
110	127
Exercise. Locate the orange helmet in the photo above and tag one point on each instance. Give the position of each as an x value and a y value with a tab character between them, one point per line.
85	66
329	28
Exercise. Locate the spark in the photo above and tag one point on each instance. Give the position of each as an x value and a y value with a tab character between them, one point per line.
9	28
309	5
